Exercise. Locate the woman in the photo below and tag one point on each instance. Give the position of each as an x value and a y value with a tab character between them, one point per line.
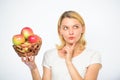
70	60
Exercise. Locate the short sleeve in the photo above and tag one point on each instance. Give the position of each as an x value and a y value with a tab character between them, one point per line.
46	60
95	58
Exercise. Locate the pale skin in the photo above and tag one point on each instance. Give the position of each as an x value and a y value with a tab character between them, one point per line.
71	31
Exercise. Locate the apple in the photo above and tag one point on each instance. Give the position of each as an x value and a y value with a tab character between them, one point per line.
18	39
26	32
34	38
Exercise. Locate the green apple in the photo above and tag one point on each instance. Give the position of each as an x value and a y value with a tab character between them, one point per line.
18	39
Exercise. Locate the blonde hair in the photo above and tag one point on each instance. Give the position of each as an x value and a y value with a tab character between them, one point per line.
75	15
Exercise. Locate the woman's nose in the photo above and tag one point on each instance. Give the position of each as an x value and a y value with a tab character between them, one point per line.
71	32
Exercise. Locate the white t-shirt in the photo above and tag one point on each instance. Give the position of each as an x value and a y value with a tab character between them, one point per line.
58	66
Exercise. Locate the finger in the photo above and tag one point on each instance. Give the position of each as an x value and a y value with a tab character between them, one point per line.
31	58
73	45
23	59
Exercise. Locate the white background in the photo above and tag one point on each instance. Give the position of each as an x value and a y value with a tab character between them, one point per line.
102	18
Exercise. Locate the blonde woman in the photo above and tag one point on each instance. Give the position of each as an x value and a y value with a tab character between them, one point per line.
70	60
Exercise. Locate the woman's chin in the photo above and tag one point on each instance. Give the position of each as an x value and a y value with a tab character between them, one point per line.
71	43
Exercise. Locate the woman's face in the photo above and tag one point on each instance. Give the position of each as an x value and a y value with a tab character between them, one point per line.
71	30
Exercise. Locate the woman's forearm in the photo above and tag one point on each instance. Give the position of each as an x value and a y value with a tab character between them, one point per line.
30	62
34	71
35	74
73	72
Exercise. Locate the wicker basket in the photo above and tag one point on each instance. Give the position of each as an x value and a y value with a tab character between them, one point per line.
31	49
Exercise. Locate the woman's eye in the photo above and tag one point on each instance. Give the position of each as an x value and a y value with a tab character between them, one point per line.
65	28
75	27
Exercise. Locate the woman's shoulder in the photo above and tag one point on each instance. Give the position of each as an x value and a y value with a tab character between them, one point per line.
94	56
51	51
92	51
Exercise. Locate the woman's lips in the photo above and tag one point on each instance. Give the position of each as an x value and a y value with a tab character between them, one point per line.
71	38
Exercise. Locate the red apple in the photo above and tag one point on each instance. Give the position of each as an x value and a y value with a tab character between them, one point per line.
34	39
26	32
18	39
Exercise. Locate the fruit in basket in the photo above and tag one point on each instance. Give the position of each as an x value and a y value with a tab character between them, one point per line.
25	46
26	32
34	39
18	39
27	43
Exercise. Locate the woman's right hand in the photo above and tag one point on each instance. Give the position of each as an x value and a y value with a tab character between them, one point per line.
69	51
29	61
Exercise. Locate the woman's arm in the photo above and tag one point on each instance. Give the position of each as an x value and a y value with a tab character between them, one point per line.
46	74
35	74
92	71
68	51
91	74
30	62
73	72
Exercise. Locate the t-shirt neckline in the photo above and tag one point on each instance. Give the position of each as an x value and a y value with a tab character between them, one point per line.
73	57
